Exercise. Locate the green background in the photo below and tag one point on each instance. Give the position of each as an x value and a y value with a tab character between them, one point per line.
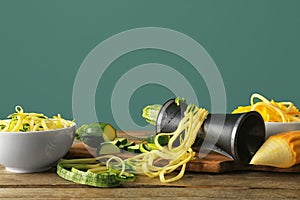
255	45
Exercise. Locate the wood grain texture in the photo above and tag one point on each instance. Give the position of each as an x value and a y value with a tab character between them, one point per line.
241	185
148	193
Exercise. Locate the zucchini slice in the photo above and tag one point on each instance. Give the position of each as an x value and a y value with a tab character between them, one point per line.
125	146
109	132
134	149
95	133
143	147
119	141
108	148
162	139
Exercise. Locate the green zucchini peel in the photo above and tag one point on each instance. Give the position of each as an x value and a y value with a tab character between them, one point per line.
79	173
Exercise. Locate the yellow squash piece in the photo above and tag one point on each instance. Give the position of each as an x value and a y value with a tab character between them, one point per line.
280	150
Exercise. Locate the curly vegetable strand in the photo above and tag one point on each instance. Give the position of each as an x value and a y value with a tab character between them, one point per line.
271	111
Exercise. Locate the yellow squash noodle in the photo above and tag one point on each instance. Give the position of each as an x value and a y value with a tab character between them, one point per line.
25	122
270	110
166	159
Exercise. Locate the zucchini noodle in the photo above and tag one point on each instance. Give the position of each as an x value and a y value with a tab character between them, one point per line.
271	111
116	159
166	159
25	122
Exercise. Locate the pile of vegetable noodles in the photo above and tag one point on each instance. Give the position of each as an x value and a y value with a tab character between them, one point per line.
25	122
167	158
159	161
271	111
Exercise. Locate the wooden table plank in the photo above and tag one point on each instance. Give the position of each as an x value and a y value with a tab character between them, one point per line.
48	185
268	180
147	193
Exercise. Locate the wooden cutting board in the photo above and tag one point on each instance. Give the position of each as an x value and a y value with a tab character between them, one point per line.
211	163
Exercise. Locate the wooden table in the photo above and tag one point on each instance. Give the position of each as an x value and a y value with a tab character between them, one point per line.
236	185
203	185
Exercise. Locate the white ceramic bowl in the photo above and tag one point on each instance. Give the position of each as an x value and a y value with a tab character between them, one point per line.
273	128
26	152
